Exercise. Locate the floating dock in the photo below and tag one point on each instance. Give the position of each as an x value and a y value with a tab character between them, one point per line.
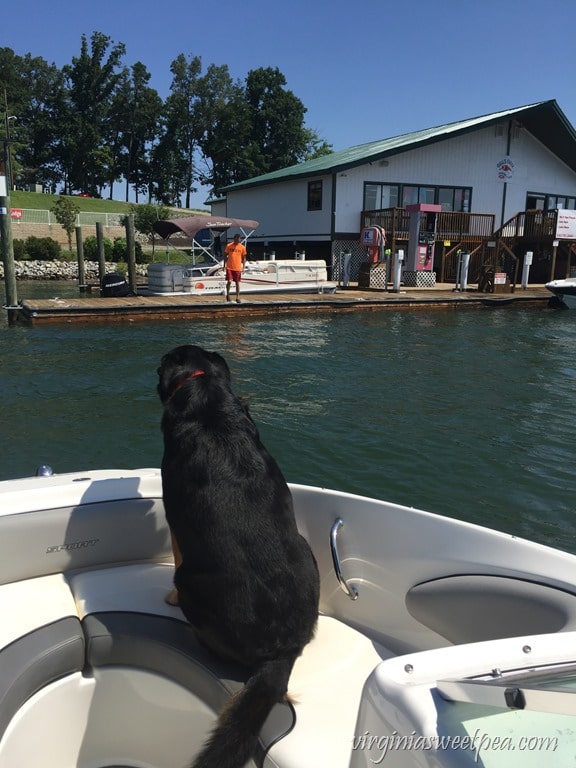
87	308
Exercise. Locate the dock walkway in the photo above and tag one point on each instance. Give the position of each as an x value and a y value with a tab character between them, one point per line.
87	308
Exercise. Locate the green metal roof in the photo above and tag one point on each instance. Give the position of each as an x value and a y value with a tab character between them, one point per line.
544	120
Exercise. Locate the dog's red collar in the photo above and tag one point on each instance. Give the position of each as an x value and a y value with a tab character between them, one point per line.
183	381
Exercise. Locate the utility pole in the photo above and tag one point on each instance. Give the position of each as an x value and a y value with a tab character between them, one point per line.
6	244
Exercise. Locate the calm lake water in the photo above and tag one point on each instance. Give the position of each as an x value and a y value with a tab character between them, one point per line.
468	413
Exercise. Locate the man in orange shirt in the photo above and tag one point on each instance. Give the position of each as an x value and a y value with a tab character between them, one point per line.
234	261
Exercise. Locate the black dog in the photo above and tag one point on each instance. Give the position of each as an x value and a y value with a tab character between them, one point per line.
246	579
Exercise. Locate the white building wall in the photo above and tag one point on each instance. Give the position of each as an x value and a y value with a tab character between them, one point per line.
543	173
470	160
281	210
218	208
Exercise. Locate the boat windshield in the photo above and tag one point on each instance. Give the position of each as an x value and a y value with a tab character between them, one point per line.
531	688
520	717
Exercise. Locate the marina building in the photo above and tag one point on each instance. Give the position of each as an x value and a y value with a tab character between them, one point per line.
496	185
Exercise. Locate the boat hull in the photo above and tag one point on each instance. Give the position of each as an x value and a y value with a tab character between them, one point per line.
286	276
564	290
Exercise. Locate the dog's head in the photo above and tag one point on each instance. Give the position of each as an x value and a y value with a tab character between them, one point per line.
183	364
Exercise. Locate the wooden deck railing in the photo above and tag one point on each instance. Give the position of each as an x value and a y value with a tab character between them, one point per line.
488	247
466	228
536	225
395	221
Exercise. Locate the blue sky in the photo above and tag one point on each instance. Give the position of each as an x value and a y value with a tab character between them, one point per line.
365	70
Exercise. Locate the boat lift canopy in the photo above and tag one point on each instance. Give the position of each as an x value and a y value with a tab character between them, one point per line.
189	226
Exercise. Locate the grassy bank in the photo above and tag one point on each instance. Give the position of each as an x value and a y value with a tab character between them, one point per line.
37	201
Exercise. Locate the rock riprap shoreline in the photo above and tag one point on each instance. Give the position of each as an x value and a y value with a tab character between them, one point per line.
62	270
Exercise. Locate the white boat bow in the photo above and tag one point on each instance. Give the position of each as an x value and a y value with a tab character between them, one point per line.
564	290
458	637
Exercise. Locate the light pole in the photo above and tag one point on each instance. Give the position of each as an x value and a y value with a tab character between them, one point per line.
6	245
8	139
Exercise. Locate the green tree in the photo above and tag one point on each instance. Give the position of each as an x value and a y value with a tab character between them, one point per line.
10	68
256	128
315	146
183	129
95	122
167	170
91	251
226	127
66	212
145	217
42	248
279	137
32	90
135	122
120	251
13	97
92	79
37	147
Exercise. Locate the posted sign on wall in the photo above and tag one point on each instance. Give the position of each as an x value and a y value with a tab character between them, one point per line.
566	225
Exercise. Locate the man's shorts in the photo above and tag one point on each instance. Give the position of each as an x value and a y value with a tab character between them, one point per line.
233	275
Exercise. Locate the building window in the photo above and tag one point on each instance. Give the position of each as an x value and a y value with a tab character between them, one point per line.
379	196
536	201
314	195
412	195
446	198
461	199
382	196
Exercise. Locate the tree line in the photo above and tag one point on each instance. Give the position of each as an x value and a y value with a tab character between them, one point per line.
96	123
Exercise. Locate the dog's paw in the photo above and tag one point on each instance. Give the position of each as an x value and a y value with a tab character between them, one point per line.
172	597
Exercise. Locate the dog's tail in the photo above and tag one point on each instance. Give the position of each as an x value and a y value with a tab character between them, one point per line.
235	738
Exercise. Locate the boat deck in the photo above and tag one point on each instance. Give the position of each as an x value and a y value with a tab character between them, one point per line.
87	308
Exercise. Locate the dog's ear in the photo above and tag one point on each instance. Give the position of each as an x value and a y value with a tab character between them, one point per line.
173	365
165	372
220	366
246	406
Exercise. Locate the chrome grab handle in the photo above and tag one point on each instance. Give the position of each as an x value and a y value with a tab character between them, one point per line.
352	592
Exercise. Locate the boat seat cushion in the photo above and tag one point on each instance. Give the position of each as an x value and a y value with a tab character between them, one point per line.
36	660
327	684
168	647
41	640
117	616
127	622
472	608
49	631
